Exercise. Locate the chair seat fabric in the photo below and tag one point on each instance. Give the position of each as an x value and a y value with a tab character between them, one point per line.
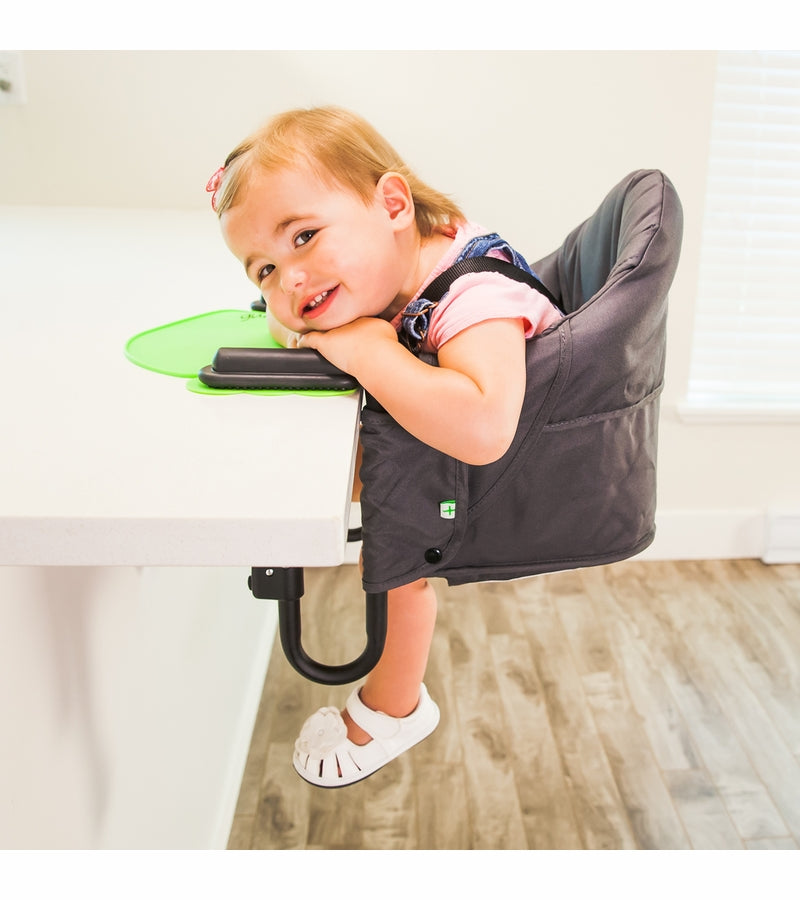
577	487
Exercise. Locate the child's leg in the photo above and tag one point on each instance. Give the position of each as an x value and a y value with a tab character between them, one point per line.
323	755
393	685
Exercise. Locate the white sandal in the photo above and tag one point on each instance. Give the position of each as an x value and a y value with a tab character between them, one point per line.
324	755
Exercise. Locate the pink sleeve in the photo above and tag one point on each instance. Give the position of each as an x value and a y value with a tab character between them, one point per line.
480	296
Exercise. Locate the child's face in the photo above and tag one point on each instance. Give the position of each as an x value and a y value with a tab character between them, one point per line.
318	253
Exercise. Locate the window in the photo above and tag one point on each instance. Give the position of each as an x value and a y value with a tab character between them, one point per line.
746	353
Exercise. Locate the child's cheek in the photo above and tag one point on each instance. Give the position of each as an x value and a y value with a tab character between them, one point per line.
280	332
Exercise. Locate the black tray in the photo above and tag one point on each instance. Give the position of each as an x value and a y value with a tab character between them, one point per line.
258	367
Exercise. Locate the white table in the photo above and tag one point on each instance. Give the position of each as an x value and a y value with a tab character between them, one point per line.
103	463
130	671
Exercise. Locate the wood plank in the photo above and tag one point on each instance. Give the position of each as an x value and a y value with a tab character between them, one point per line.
660	715
599	808
777	768
282	819
772	844
702	811
779	585
544	797
500	604
492	792
442	801
649	596
444	745
389	816
769	754
443	809
336	816
652	814
763	640
563	697
241	833
647	801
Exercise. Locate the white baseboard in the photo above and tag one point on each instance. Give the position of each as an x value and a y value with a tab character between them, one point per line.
709	534
782	537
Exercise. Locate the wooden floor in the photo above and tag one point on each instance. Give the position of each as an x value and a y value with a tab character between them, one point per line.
641	705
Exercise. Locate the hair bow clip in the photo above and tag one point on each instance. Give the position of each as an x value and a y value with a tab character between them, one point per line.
213	185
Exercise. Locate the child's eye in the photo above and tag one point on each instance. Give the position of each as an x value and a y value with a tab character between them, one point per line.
304	237
264	271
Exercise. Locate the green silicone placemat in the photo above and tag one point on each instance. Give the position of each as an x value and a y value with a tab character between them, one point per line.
182	348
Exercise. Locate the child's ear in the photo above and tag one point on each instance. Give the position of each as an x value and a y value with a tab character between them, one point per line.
394	194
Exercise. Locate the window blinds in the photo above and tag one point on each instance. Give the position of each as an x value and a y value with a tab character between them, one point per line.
746	352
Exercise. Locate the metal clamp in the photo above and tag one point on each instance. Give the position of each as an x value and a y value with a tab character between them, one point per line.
286	586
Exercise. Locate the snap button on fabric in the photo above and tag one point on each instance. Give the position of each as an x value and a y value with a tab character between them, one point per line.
433	555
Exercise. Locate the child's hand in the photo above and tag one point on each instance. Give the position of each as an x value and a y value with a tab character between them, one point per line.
347	345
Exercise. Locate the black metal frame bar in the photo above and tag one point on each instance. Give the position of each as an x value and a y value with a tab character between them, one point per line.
286	585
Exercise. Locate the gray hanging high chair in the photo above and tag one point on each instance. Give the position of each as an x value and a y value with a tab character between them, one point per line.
578	485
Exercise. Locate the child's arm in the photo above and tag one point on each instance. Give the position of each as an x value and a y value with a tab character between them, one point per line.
468	407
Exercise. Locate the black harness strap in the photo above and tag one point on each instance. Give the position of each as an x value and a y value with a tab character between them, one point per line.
441	284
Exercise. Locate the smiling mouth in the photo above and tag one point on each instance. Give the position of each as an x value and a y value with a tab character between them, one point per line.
316	306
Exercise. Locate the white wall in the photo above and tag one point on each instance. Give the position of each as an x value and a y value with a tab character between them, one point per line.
127	700
528	143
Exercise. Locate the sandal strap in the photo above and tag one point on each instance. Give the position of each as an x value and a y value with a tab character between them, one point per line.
378	724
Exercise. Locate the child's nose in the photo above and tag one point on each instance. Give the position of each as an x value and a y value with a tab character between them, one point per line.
292	279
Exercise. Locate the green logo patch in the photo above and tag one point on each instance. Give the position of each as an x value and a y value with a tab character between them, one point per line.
447	509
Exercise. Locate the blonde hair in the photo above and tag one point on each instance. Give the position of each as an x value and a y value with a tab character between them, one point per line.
338	145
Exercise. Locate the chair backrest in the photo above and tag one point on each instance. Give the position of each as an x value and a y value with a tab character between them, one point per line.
612	274
641	214
578	485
